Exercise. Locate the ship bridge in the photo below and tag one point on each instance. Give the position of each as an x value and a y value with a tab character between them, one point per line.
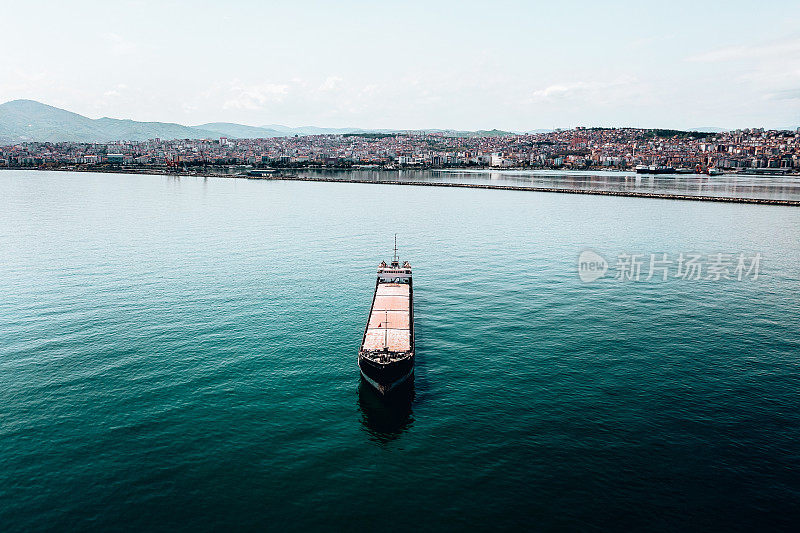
394	273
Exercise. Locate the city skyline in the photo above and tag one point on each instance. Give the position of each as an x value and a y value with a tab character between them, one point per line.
748	151
517	67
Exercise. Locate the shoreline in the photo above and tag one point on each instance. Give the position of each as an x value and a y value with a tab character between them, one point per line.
278	177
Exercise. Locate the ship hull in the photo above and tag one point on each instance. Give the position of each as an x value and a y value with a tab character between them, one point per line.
386	377
655	170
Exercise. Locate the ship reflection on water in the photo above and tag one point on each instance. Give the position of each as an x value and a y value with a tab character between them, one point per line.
386	418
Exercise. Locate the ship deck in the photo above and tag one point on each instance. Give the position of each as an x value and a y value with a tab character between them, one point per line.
389	325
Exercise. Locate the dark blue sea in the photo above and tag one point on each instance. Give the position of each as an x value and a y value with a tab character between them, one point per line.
180	354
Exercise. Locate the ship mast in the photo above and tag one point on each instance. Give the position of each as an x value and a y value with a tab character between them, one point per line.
395	259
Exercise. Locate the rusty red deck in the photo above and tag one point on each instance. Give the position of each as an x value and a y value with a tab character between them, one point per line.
390	320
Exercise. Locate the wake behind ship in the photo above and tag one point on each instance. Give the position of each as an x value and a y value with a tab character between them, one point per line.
386	357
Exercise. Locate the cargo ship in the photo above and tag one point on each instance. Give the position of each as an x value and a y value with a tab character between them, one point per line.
386	357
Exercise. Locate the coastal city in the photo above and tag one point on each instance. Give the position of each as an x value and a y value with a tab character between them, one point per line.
418	266
743	150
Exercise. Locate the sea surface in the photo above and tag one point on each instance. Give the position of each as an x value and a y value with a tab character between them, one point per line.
180	354
726	185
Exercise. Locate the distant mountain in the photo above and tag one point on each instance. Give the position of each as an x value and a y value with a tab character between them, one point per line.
314	130
28	120
486	133
463	133
239	131
277	127
709	129
114	129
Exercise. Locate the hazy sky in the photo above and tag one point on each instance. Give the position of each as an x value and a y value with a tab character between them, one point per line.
464	65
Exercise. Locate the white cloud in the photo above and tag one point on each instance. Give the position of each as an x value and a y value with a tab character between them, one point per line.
118	45
331	83
117	91
780	50
769	71
254	96
597	92
788	94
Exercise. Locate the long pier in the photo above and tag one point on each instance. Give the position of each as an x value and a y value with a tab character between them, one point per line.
284	177
635	194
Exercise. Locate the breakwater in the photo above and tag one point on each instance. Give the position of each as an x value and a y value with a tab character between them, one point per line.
635	194
563	190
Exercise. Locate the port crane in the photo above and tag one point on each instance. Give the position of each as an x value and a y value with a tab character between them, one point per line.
172	162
